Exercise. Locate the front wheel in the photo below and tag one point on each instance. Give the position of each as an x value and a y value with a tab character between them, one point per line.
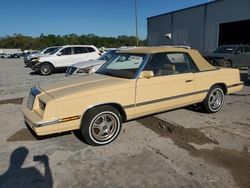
101	125
214	100
225	63
45	69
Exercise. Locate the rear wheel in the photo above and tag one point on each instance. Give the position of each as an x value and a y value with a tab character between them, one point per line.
226	63
101	125
45	69
214	100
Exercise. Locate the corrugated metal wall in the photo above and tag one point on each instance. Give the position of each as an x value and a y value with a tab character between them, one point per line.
197	27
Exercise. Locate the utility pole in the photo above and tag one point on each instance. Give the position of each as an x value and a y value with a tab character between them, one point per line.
136	25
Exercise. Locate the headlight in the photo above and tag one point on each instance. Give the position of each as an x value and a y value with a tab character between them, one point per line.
35	59
86	70
42	105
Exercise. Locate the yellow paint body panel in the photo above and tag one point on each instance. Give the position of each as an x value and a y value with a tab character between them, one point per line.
137	97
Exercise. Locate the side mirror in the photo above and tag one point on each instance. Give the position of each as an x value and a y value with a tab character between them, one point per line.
59	53
146	74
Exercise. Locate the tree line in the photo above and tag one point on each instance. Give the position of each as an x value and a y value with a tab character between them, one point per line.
26	42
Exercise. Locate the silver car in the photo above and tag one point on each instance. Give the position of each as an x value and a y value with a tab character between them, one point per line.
87	67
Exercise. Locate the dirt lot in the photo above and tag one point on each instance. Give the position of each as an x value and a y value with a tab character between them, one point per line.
181	148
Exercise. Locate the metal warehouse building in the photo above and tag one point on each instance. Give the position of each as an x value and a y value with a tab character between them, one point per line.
204	26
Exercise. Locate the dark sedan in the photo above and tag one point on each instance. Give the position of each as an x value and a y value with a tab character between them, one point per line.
230	56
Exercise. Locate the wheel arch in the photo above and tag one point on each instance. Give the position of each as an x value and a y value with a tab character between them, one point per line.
117	106
222	85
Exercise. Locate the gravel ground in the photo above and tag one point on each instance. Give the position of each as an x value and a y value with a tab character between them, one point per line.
180	148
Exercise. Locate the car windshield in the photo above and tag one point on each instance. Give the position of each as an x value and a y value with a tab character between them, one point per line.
108	55
122	65
55	50
225	49
49	50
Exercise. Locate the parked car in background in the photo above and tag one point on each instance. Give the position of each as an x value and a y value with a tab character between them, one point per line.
3	55
87	67
230	56
64	57
16	56
134	83
30	56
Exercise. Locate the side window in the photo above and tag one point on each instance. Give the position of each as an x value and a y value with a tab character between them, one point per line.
247	49
66	51
239	50
90	49
170	63
49	50
157	63
191	63
80	50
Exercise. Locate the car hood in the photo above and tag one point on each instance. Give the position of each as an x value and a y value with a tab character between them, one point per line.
34	55
89	63
38	55
84	86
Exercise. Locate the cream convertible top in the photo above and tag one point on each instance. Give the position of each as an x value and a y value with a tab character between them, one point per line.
200	62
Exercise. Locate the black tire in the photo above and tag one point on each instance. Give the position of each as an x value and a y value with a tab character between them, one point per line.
226	63
213	104
101	125
46	69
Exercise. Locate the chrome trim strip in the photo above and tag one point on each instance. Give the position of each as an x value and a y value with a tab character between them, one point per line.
50	122
164	99
129	106
46	123
235	85
41	123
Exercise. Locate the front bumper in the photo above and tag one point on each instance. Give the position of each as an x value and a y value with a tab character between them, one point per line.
27	62
34	65
37	124
50	126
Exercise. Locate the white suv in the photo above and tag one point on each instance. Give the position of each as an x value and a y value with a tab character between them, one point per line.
46	51
64	57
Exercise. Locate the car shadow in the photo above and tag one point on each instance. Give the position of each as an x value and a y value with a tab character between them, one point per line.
38	74
79	136
46	136
198	108
76	133
57	71
34	73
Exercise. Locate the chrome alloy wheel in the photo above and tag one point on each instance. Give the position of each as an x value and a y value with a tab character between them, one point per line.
216	99
45	69
104	127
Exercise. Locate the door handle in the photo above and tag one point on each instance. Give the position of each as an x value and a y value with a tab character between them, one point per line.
189	81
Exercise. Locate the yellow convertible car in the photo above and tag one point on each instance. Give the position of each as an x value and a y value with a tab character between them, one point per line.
134	83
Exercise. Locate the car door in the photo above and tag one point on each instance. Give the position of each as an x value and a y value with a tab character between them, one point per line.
170	87
242	57
63	57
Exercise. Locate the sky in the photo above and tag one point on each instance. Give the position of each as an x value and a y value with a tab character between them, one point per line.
109	18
